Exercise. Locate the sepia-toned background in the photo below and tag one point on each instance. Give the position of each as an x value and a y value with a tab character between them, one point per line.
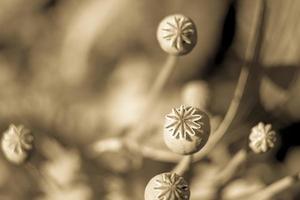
76	72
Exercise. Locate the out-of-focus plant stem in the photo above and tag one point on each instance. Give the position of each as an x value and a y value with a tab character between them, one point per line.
227	173
252	53
115	144
183	166
155	91
276	187
232	111
39	176
162	79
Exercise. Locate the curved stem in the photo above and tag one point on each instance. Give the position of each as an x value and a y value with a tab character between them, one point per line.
184	165
39	176
159	155
227	173
115	144
162	78
276	187
154	93
230	115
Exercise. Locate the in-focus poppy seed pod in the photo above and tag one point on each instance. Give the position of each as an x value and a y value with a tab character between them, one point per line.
262	138
186	130
177	34
16	143
167	186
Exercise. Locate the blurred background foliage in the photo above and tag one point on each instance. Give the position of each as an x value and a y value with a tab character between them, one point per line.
78	71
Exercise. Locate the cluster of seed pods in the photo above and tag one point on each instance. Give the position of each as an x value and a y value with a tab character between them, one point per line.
186	130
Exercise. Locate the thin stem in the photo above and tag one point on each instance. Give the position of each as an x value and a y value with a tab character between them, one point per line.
276	187
230	115
163	77
154	93
115	144
38	175
227	173
184	165
159	155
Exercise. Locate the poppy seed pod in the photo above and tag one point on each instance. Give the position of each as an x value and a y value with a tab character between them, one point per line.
167	186
186	130
177	34
16	143
262	138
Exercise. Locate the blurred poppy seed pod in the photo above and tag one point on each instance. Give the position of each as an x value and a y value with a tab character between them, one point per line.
16	143
167	186
186	130
177	34
262	138
197	94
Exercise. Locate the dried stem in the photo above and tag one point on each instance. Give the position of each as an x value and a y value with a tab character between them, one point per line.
231	113
184	165
276	187
154	93
115	144
252	53
162	78
227	173
39	176
159	155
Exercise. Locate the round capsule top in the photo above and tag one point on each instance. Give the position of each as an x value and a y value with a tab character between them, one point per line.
197	94
167	186
262	138
186	129
16	143
177	34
